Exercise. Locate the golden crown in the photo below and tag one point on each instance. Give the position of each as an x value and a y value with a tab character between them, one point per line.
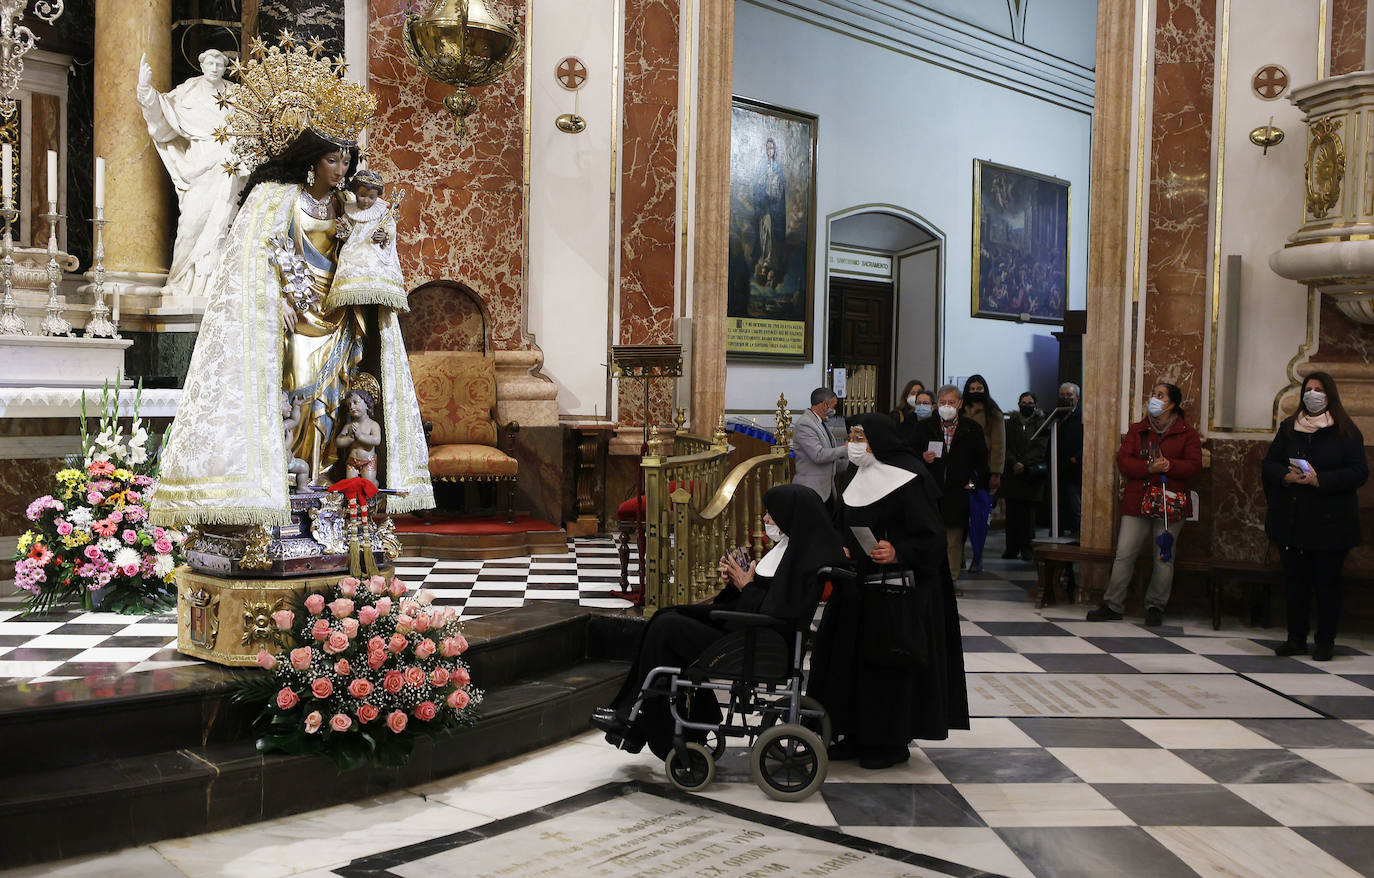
286	89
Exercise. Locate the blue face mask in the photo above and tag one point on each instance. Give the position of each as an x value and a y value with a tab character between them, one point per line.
923	411
1155	407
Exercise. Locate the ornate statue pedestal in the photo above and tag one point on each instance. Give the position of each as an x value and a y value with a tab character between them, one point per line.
227	620
314	544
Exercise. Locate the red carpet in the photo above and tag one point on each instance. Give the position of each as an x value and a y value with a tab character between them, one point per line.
476	525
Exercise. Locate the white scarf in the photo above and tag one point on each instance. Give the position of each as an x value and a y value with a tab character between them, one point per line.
875	481
768	564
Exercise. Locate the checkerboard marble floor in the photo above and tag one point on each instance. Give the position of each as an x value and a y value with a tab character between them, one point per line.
66	643
1175	751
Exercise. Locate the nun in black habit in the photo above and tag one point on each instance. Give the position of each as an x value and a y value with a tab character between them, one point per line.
781	584
877	705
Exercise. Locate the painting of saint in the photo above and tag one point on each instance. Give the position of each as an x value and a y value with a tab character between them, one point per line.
1020	244
772	232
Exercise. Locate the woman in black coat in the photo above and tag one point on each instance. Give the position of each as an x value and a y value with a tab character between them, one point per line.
878	702
782	584
1023	474
1314	516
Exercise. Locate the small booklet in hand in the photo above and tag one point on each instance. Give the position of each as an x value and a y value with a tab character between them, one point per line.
866	538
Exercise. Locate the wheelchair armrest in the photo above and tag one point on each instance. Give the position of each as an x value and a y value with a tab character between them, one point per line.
836	575
747	619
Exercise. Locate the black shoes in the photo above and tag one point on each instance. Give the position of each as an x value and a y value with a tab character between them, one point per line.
1288	647
1009	555
618	730
1154	617
885	757
1322	652
1103	613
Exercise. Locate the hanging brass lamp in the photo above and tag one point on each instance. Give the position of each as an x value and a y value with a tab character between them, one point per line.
460	43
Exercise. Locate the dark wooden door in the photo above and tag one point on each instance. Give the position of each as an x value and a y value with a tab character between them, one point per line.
861	333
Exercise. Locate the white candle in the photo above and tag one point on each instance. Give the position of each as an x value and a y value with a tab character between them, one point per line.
99	185
9	174
115	316
52	177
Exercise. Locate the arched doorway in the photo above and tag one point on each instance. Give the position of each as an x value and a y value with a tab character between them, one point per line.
444	315
884	268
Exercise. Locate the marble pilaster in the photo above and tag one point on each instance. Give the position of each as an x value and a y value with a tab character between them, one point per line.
137	191
715	60
1349	21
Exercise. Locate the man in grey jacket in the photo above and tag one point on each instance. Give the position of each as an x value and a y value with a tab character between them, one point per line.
819	457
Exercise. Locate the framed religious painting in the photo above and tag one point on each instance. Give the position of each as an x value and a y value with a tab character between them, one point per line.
771	286
1020	244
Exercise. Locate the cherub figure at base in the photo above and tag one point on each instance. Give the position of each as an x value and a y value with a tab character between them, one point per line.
360	436
297	470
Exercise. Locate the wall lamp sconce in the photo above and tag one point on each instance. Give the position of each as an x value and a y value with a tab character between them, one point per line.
1267	135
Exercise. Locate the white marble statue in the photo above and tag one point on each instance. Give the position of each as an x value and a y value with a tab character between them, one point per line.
181	124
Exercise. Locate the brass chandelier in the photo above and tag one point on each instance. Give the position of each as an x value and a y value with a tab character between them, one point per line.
460	43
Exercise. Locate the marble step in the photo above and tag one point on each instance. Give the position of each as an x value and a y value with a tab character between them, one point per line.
115	803
72	723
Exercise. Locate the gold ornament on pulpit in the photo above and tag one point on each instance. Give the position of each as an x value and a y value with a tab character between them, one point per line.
460	43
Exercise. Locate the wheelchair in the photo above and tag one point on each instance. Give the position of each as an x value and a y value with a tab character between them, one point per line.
788	732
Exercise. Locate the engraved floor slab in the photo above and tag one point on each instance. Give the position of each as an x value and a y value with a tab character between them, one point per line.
1182	696
644	829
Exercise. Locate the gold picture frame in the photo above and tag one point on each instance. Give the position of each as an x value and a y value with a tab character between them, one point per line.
1020	244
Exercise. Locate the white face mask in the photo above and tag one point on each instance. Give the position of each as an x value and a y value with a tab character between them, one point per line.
947	412
773	531
1315	401
911	400
859	455
1155	407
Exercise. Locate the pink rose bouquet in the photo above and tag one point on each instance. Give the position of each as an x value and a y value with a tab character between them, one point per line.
374	671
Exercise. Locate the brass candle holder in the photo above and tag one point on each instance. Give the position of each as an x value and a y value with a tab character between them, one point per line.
100	325
10	321
54	323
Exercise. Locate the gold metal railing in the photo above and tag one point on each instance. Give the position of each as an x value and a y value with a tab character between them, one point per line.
696	511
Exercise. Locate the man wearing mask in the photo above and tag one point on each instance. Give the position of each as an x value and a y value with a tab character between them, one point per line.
1023	474
819	456
956	453
1070	461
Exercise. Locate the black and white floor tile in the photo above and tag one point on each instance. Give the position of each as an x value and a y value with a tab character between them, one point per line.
1084	776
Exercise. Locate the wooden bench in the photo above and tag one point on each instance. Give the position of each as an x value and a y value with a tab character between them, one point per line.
1054	562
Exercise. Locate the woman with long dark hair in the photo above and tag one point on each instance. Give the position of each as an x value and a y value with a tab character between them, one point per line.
275	323
982	409
915	406
1314	468
1159	455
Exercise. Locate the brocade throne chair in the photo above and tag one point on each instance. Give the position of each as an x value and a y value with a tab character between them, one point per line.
457	395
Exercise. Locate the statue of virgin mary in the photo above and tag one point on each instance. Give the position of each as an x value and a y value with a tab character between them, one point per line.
281	319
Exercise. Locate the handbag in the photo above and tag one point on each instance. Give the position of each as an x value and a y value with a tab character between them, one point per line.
894	637
1159	502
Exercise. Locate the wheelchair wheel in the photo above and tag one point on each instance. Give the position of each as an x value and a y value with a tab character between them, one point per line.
821	724
715	742
788	762
692	770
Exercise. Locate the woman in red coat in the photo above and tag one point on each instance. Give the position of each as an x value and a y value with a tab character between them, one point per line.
1159	449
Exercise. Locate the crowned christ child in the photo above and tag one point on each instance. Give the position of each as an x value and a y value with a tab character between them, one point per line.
369	269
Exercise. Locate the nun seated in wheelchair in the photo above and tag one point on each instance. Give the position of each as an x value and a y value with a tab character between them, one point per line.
888	662
783	584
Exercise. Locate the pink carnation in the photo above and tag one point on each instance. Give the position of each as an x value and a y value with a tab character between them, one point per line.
341	607
287	699
312	722
458	699
315	604
159	533
396	721
426	711
284	619
300	658
340	722
266	659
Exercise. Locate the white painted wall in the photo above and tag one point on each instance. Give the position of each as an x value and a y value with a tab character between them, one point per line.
897	130
569	199
1261	204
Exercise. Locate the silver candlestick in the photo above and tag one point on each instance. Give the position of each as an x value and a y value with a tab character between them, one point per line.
54	323
99	326
10	321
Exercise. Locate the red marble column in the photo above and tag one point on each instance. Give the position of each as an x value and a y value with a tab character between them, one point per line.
1348	25
1181	131
463	218
648	194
